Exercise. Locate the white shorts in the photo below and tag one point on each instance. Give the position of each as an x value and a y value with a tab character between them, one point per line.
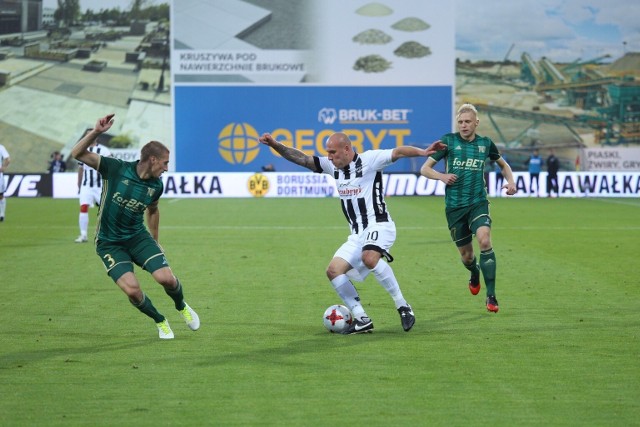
2	186
90	196
381	235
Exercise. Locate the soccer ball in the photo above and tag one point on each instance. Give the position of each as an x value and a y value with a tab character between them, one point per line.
337	318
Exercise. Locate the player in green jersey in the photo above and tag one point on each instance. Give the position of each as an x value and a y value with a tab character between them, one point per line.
129	190
466	204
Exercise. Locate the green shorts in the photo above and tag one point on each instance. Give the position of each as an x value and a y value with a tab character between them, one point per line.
118	257
463	222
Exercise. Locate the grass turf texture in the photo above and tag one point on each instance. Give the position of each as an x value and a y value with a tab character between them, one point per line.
563	350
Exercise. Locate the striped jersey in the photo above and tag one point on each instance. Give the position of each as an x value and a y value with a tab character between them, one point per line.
466	159
90	177
360	187
125	197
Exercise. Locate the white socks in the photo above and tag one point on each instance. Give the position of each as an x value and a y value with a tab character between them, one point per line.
83	222
348	293
384	275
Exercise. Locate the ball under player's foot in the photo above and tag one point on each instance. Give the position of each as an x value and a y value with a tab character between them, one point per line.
360	325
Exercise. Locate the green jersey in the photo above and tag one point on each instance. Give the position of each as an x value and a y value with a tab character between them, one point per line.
466	159
125	196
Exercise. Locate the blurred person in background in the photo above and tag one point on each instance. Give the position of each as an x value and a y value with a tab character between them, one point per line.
534	162
5	159
553	165
57	164
89	188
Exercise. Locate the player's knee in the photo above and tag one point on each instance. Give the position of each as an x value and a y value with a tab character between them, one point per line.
370	259
467	259
131	288
332	272
135	295
484	242
168	283
466	254
336	268
165	277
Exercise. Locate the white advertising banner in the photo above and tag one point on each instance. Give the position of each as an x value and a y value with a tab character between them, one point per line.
575	184
308	184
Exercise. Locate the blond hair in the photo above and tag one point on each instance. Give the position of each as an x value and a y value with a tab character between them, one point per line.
467	108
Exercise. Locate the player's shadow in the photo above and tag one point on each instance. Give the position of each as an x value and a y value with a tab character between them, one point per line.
18	358
320	344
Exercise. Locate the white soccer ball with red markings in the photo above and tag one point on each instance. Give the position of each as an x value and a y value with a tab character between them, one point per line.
337	318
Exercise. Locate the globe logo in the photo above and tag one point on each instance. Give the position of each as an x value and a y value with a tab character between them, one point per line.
238	143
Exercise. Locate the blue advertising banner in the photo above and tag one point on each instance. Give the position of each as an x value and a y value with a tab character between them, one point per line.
218	126
383	74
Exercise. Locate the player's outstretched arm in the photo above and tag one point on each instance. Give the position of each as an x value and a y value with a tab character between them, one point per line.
289	153
435	147
80	150
410	151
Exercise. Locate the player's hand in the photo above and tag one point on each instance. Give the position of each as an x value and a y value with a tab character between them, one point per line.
435	147
104	124
449	178
511	189
267	139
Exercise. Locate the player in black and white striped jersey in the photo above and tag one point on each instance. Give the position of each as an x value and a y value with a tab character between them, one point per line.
359	180
89	190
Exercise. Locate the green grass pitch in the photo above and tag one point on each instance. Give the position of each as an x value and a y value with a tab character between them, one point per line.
563	350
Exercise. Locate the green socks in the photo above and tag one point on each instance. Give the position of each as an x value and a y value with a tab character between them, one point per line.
473	267
146	306
176	295
488	267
